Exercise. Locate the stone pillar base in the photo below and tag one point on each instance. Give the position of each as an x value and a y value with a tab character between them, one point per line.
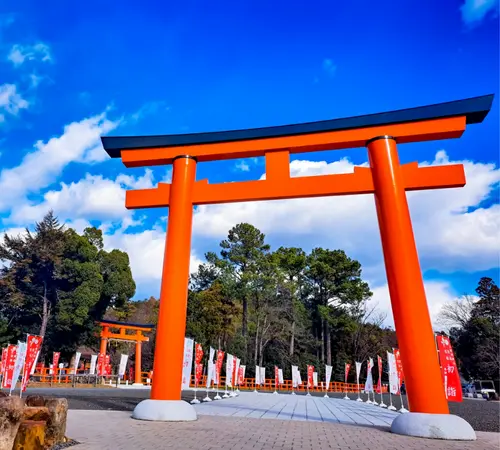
433	426
164	411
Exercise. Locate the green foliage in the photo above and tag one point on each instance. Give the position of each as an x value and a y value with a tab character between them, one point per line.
58	283
283	307
477	343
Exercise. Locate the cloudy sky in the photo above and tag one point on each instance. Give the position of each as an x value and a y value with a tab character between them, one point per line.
70	73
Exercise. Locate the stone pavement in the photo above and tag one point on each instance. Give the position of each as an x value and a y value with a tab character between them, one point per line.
299	407
298	422
115	430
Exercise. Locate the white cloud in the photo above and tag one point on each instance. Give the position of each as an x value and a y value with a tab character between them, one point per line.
329	67
474	11
146	250
438	293
148	109
243	166
450	234
35	80
11	101
91	198
19	54
41	167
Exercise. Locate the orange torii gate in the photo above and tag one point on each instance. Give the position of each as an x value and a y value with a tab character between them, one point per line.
386	178
127	332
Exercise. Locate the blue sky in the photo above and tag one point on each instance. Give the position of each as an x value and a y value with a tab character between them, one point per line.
69	73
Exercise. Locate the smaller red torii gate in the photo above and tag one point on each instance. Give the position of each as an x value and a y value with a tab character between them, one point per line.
126	332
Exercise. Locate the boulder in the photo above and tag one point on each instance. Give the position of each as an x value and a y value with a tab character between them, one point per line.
56	423
11	414
36	413
30	436
35	400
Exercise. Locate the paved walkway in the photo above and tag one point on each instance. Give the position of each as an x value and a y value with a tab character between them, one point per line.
299	408
298	422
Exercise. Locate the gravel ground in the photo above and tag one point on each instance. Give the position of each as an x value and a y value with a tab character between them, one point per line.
481	414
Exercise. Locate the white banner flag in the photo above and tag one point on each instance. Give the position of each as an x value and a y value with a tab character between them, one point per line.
315	379
263	376
212	354
369	377
93	362
358	371
295	379
393	373
78	355
187	364
257	375
280	376
123	365
210	372
20	357
243	369
328	376
299	378
229	370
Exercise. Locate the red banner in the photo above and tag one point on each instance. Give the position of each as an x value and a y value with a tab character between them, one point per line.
100	365
218	365
55	362
379	382
10	363
4	360
449	371
235	378
33	344
346	374
310	371
240	376
276	376
198	354
198	371
107	366
399	365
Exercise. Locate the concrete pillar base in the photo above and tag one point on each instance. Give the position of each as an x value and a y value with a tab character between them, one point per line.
164	411
137	384
433	426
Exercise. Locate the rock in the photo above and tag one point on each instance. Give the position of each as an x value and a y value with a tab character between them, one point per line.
56	425
30	436
35	400
11	414
36	413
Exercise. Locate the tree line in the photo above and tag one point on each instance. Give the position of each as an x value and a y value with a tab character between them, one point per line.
57	283
269	307
474	329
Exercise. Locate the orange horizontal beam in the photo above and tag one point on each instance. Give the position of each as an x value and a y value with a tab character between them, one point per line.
125	327
125	337
427	130
279	187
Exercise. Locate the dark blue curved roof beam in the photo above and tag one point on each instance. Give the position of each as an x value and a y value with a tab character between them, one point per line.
472	110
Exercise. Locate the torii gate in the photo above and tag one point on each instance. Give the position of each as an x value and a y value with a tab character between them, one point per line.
127	332
386	178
